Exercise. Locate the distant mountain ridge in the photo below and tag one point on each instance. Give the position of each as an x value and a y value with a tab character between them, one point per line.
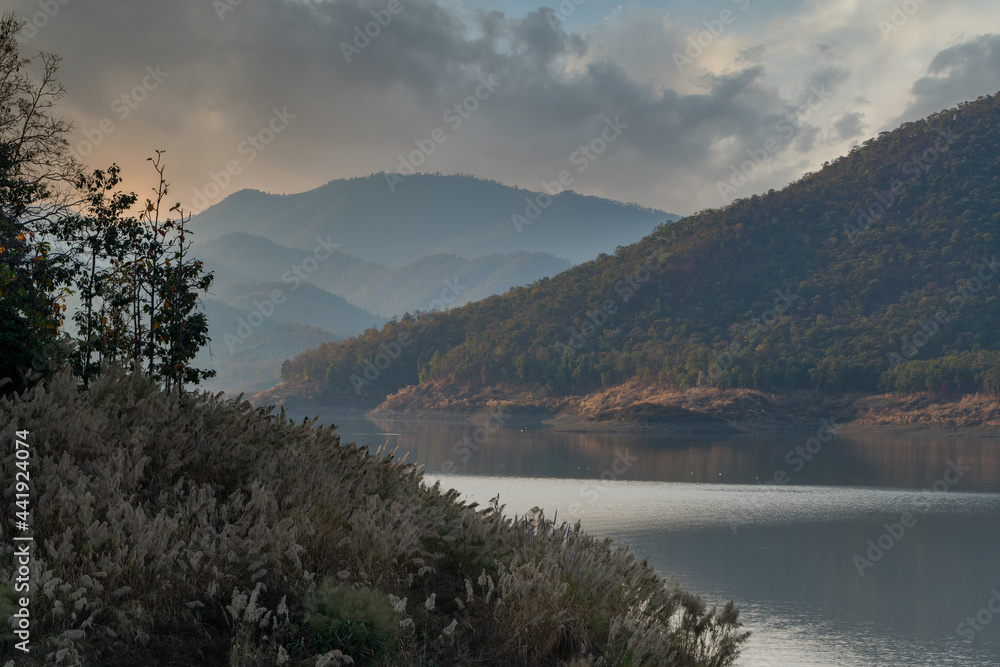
435	282
881	272
363	252
429	214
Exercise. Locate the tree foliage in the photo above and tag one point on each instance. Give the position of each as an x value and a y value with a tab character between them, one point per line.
34	169
64	231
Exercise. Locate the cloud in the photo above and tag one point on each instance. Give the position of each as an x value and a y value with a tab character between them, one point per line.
850	125
957	74
361	100
366	86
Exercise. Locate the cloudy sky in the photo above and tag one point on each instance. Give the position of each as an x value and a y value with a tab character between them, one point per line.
679	105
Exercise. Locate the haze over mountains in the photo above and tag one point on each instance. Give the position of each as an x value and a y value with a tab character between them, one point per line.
427	214
354	253
880	272
434	282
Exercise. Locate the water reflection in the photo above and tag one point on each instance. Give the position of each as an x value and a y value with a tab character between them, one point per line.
877	460
700	508
789	561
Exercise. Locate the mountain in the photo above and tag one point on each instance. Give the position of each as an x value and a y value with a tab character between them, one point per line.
878	273
303	304
254	327
433	282
394	220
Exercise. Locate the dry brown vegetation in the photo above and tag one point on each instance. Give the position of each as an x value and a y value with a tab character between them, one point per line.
748	406
931	411
214	533
618	407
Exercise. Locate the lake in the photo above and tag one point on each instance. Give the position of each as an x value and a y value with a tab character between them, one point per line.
873	550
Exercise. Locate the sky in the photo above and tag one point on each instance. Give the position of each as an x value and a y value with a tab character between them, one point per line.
680	106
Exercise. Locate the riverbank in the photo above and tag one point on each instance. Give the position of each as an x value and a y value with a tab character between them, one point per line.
634	407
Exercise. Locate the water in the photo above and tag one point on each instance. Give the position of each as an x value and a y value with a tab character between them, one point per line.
795	556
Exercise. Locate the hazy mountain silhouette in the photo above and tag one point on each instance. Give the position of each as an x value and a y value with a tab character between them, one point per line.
427	214
435	282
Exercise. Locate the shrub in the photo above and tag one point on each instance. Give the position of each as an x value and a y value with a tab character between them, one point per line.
360	623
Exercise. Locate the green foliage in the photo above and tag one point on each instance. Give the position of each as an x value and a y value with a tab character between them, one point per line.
860	291
32	166
64	231
959	372
360	623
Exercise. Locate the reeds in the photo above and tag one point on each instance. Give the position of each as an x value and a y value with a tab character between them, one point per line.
216	533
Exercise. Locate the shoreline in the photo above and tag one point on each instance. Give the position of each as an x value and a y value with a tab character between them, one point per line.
568	423
636	408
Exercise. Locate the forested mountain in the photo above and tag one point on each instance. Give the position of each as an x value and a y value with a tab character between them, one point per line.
878	272
239	258
394	220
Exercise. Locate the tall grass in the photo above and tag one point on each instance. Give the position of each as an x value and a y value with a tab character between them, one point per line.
220	534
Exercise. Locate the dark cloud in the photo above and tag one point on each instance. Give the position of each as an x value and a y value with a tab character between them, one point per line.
360	100
850	125
957	74
753	54
826	79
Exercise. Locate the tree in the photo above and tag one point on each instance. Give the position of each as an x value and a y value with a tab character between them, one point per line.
62	230
99	240
177	330
36	172
147	315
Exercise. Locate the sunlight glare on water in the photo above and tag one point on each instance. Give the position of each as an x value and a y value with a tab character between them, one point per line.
786	555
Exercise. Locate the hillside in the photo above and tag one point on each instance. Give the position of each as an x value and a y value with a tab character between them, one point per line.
878	273
239	258
427	214
210	533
